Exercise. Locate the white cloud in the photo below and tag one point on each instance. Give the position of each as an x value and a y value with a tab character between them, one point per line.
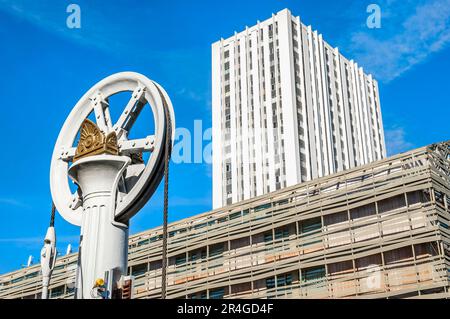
97	31
410	32
396	141
201	98
38	240
13	202
192	95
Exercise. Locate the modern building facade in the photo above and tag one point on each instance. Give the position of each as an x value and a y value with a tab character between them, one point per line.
287	108
377	231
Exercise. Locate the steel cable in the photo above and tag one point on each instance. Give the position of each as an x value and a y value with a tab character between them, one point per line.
52	216
167	154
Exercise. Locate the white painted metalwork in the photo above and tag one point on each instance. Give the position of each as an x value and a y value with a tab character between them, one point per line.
96	100
48	259
104	242
111	188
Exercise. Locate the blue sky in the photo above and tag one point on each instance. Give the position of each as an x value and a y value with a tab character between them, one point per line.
46	67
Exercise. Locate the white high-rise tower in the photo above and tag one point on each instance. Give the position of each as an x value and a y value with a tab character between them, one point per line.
287	108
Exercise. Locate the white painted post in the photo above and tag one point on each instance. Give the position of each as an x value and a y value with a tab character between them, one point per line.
104	242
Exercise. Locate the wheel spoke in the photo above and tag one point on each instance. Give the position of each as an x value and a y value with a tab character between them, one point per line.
101	110
130	113
108	116
137	145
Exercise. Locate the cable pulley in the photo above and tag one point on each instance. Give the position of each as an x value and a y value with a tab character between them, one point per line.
114	181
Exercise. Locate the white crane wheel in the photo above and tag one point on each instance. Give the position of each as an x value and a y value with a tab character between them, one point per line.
146	92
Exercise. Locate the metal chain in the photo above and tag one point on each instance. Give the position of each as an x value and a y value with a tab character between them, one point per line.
52	217
167	155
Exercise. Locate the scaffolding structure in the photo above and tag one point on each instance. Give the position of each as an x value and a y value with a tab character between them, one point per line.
376	231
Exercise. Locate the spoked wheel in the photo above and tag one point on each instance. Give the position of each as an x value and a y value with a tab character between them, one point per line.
140	179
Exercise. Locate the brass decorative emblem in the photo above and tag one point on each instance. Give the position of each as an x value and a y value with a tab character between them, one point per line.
94	142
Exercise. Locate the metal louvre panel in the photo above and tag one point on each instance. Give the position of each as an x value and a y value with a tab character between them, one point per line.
389	217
